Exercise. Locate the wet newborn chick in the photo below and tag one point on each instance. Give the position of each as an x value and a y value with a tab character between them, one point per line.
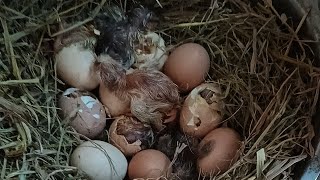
153	97
118	32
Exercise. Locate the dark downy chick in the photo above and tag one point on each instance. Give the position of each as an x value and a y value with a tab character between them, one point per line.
184	167
119	31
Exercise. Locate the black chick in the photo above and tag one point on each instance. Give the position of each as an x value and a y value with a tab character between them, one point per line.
119	31
184	166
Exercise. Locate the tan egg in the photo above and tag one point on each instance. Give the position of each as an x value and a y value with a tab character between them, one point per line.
150	52
83	111
149	163
218	151
202	110
130	135
75	59
187	66
113	104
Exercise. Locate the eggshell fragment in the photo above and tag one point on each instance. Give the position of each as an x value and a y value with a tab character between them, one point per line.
202	110
75	59
84	111
218	151
130	135
150	52
187	66
99	160
149	163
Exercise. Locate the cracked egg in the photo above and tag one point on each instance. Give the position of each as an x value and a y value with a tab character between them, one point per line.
202	110
130	135
83	111
150	52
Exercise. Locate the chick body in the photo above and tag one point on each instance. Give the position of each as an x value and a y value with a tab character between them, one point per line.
119	31
154	98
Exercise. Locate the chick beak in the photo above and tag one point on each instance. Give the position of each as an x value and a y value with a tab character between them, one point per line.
170	116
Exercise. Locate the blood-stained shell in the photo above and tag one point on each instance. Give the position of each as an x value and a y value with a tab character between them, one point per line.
84	112
202	110
130	135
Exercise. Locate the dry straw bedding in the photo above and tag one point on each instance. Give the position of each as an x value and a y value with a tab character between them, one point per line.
258	57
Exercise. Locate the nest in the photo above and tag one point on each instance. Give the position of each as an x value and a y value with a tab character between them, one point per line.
262	63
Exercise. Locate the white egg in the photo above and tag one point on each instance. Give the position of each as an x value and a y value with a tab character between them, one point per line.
75	63
100	160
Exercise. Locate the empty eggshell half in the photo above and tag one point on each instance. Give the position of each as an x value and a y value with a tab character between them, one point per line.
130	135
84	111
202	110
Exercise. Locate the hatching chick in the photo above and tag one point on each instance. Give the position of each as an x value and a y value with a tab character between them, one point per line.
118	31
184	166
154	98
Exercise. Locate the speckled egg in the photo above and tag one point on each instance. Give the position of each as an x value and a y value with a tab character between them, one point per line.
83	111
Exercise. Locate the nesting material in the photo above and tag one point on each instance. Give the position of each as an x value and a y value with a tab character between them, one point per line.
265	70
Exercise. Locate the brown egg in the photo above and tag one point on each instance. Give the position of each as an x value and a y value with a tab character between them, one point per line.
149	163
84	111
187	66
218	151
202	110
113	104
130	135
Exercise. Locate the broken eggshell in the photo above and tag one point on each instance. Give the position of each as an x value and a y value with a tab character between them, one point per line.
202	110
130	135
150	52
84	111
75	59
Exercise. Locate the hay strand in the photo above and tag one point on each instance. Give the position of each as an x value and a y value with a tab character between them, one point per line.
265	68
